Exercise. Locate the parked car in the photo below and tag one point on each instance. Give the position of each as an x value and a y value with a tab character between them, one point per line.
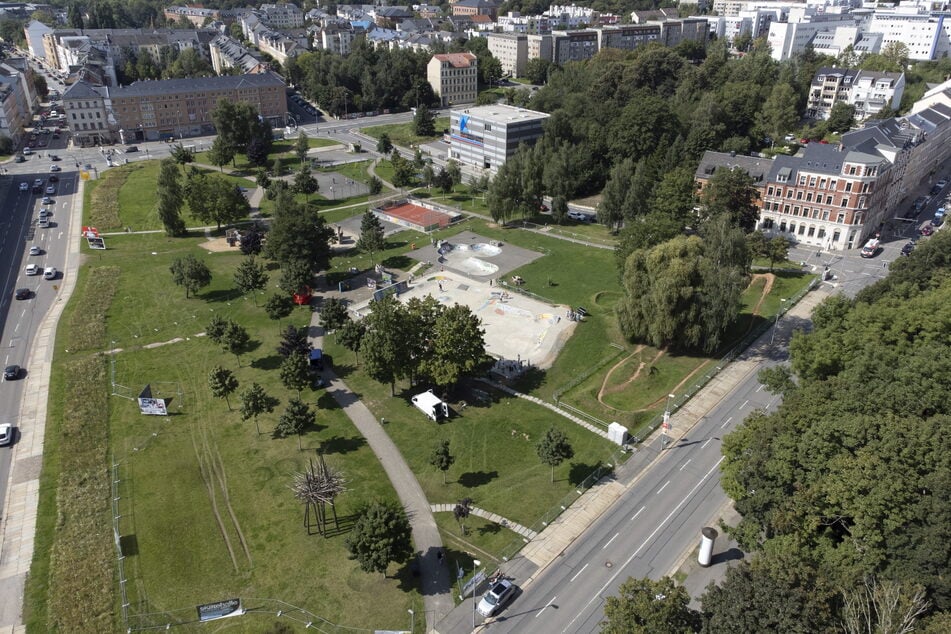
131	149
6	434
908	248
38	182
926	230
941	184
54	157
24	186
51	189
20	159
54	178
47	200
55	168
496	597
11	372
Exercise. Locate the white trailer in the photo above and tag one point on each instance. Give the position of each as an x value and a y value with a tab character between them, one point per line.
430	404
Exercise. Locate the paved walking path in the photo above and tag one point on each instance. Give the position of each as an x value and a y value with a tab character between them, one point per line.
492	517
435	584
551	406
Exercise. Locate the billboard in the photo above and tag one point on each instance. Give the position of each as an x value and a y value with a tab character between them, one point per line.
152	406
220	610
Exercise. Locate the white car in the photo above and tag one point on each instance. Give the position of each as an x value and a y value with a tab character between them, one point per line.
47	200
32	269
50	190
49	273
24	186
35	250
56	168
496	597
6	434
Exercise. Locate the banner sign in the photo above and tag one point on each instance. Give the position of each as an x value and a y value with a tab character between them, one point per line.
220	610
152	406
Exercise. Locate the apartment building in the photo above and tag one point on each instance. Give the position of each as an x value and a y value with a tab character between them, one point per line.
18	98
476	7
486	136
454	77
511	49
228	53
34	32
336	39
281	16
867	91
199	15
88	114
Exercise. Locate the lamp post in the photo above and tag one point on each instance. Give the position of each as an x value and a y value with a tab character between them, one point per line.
782	306
666	426
412	620
475	564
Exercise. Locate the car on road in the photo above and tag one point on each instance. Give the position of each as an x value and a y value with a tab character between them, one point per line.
50	190
908	248
496	597
49	273
130	150
38	182
20	159
941	184
935	190
27	151
23	293
32	269
24	186
926	230
6	434
55	168
35	250
11	372
920	202
47	200
54	157
579	216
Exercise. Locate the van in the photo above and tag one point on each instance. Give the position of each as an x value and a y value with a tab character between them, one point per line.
870	249
431	405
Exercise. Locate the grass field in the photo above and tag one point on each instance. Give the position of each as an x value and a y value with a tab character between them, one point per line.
280	149
402	134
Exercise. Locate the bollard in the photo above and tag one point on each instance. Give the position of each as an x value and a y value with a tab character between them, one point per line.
708	537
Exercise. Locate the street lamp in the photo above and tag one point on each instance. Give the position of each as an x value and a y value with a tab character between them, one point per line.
782	303
412	620
666	425
475	564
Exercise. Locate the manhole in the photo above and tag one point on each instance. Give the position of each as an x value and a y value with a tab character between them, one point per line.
608	564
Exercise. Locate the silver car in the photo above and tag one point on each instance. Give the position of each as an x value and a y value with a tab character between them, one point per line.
496	597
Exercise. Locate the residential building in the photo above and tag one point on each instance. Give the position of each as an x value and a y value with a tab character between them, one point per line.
17	98
573	46
454	77
336	39
199	15
228	53
757	168
88	114
628	37
515	22
476	7
486	136
511	49
34	32
868	91
281	16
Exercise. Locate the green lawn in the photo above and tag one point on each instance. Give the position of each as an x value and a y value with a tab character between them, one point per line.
280	149
402	133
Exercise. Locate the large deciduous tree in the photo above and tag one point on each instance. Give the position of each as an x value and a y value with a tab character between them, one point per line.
256	401
223	383
731	192
190	273
298	235
644	606
457	345
170	198
383	346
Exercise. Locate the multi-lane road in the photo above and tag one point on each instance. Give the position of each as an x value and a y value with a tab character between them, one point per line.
20	319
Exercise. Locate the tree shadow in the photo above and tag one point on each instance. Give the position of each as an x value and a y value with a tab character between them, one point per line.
530	380
339	444
401	262
477	478
222	295
343	525
580	471
272	362
489	529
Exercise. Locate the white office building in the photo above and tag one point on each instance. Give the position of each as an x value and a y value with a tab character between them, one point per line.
486	136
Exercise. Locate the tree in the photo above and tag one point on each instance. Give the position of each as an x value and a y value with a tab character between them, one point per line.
351	336
254	402
278	306
375	185
404	174
611	211
263	179
252	240
220	153
296	235
383	342
644	233
841	117
182	155
559	209
169	199
215	330
454	172
384	145
295	372
294	341
779	114
235	340
554	448
457	345
304	181
644	606
424	123
295	276
302	146
537	70
441	458
381	535
372	239
333	313
883	606
215	199
74	16
295	419
39	83
731	192
250	276
223	383
190	273
277	166
461	512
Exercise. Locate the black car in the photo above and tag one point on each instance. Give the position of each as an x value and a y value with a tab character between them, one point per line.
54	157
20	158
54	178
11	372
908	248
131	149
23	293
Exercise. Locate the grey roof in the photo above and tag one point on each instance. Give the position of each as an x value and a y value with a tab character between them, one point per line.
756	167
477	4
145	88
822	158
82	90
886	132
784	165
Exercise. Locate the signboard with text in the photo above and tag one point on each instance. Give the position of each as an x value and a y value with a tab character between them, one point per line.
220	610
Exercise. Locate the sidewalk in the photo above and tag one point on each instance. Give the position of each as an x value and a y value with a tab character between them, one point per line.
18	529
435	585
571	525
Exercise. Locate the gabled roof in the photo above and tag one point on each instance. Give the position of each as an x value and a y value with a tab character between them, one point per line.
457	60
82	90
756	167
226	82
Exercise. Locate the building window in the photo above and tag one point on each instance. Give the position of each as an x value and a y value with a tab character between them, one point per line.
840	218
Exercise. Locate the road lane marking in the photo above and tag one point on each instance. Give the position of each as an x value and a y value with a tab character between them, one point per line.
688	462
663	487
745	403
726	422
761	386
649	537
546	607
706	443
610	540
634	517
578	573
